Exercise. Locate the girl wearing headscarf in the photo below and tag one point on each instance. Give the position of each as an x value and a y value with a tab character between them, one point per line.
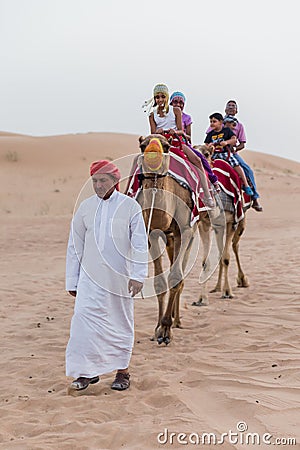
162	117
178	99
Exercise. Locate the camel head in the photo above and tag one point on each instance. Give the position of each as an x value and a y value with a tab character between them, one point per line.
206	151
144	142
155	154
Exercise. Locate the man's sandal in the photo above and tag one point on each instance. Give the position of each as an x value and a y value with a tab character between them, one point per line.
121	382
82	383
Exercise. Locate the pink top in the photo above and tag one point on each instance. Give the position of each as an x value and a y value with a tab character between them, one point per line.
239	131
186	120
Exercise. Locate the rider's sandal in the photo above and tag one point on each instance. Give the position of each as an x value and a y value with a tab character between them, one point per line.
255	205
247	190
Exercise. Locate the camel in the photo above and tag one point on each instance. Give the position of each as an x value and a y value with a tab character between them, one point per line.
233	232
167	210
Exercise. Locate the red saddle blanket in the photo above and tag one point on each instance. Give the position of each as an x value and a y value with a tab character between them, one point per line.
184	173
230	183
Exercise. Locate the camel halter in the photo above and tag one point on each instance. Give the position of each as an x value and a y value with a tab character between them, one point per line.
153	157
154	192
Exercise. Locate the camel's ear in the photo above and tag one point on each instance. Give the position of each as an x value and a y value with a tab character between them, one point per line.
142	143
166	143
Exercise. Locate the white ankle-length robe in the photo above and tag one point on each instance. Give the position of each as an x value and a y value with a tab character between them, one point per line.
107	246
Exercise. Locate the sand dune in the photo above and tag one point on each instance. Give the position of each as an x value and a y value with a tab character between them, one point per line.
234	361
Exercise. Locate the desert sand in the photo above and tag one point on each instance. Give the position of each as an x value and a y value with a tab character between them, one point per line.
234	361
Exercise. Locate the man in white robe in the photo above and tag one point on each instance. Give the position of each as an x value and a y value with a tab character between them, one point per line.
106	266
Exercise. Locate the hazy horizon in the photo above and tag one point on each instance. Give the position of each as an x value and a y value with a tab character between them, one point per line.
77	67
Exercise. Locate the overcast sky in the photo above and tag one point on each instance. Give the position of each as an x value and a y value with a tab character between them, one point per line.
72	66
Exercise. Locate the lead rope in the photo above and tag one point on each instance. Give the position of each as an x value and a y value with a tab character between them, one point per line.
154	191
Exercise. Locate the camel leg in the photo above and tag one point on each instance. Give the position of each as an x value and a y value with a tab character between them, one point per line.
176	307
160	286
170	252
176	304
204	227
242	279
175	281
160	283
219	233
218	285
227	292
164	333
170	247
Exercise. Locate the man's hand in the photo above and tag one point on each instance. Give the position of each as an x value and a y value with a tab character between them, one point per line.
73	293
134	287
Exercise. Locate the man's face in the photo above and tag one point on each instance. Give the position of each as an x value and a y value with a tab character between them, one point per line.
231	109
103	185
